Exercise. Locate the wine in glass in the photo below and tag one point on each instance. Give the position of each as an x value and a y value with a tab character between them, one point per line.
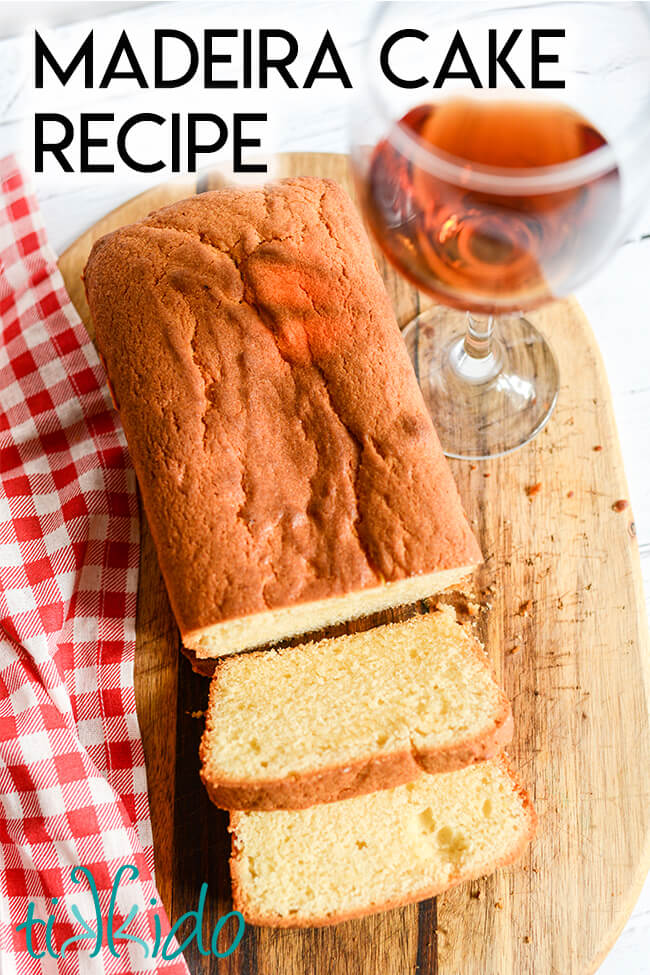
495	201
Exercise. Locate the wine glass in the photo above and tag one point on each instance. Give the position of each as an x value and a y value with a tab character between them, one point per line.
494	201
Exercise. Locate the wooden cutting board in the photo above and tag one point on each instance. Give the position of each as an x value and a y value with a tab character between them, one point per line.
567	632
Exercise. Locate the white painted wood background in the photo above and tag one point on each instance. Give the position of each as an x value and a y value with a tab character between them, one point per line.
617	300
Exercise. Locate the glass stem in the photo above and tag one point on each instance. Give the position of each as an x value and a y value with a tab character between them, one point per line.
478	357
478	337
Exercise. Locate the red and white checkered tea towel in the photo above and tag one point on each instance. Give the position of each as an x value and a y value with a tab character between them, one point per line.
72	775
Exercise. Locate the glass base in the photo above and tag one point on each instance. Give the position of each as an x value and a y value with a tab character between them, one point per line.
483	407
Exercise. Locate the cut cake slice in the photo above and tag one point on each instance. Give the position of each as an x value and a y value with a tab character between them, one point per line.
330	863
344	716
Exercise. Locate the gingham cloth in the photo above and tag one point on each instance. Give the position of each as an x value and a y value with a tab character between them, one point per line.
72	775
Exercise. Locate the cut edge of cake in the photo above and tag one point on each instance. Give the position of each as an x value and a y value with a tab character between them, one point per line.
275	625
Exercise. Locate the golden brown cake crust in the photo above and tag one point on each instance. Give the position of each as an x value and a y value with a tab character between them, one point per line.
240	903
281	443
379	771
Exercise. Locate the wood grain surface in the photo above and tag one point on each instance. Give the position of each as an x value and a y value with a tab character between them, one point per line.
565	626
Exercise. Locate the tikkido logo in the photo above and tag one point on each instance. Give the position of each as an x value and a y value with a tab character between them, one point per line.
97	933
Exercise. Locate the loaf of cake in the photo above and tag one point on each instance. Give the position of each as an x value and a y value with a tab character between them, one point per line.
288	467
329	863
344	716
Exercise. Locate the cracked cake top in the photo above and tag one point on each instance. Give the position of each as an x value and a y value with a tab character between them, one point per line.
281	442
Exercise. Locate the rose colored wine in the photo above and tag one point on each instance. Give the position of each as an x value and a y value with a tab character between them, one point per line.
479	249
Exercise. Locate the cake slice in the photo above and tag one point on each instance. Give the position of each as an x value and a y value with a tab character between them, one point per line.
317	866
288	466
325	721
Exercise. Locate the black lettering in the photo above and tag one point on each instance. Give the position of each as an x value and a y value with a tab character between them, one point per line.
457	46
87	143
240	143
385	63
56	148
248	59
280	64
327	46
209	58
42	53
124	153
537	58
160	37
194	148
176	142
136	73
500	58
